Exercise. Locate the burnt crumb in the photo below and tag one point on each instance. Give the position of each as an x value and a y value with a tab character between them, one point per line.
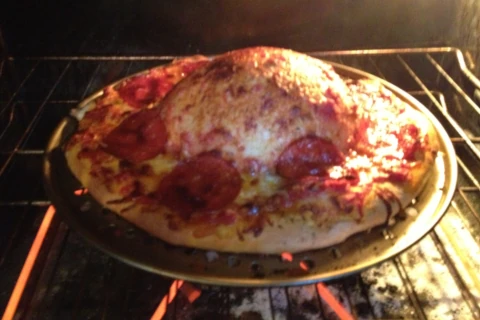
295	111
197	266
382	289
254	182
300	317
350	282
401	215
250	315
250	124
392	289
295	272
282	123
255	267
240	236
241	90
190	251
270	63
220	132
214	153
168	246
363	310
259	275
145	170
256	230
277	271
425	300
252	209
124	164
257	271
233	261
267	105
208	315
239	295
221	69
196	76
310	307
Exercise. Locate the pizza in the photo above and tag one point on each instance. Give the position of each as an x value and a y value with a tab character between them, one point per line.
258	150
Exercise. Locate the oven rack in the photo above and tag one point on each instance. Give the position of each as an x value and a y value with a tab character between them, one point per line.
440	274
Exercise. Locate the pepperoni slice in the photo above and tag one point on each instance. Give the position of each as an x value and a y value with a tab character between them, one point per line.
308	156
139	137
204	183
142	90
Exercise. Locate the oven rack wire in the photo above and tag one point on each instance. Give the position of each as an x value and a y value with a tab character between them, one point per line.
439	77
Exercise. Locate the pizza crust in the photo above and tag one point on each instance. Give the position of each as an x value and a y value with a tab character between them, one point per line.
291	233
286	232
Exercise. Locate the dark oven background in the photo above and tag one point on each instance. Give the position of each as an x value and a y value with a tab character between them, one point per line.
151	27
55	53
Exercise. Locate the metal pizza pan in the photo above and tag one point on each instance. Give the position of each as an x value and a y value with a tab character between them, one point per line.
110	233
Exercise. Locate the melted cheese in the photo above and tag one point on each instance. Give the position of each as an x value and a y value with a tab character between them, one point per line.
161	165
263	186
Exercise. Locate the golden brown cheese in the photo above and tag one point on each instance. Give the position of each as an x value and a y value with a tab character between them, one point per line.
252	103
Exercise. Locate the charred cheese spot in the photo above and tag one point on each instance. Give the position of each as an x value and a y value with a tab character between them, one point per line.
160	166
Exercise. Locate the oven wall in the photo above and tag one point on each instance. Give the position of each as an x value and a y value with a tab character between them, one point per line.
182	27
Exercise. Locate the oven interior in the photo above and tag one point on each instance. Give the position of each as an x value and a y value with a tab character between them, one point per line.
68	278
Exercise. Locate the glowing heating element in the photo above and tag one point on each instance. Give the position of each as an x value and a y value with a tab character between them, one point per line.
30	261
28	265
192	293
332	302
168	298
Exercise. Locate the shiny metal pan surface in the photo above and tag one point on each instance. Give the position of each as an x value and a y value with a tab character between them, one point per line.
121	239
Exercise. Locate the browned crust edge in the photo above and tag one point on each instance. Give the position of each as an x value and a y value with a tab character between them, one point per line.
291	233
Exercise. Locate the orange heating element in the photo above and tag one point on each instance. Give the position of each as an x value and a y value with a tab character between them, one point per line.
191	292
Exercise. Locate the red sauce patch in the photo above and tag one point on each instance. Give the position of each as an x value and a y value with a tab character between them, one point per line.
336	184
312	185
189	67
348	201
257	224
98	114
409	142
227	217
326	109
96	156
142	90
